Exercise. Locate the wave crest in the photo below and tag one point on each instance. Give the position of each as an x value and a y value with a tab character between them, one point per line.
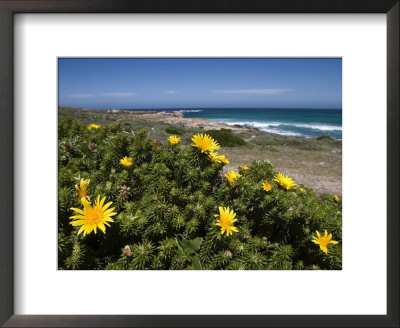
188	111
277	125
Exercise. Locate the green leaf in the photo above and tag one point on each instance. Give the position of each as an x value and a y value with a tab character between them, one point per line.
196	263
195	243
190	246
184	245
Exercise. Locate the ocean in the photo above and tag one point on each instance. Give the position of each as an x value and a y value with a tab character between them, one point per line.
309	123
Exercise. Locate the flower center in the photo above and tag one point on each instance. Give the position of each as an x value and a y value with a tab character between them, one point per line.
204	145
225	223
323	241
94	215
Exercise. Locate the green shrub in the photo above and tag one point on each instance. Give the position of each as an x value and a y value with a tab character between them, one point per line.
175	130
327	140
322	138
166	205
226	138
319	143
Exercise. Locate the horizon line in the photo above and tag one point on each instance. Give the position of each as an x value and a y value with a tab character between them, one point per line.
183	108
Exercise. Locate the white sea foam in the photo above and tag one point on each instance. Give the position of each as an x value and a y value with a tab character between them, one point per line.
264	127
189	111
274	125
316	126
285	128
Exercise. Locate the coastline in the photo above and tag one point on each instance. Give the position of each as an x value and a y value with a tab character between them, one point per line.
312	162
177	118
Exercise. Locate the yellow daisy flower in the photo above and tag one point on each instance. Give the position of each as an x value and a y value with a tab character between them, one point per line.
232	176
266	186
302	190
93	126
81	190
244	168
224	160
91	218
173	140
126	161
214	157
323	241
226	220
205	143
336	198
285	181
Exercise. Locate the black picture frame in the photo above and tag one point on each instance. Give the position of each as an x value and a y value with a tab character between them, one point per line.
10	7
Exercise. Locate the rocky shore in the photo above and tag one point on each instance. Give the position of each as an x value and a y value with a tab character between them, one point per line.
176	118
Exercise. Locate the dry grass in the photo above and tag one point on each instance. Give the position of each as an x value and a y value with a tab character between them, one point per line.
320	170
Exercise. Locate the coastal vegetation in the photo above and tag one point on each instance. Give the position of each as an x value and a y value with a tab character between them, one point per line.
132	195
316	162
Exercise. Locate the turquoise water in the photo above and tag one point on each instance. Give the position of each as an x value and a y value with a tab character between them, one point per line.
308	123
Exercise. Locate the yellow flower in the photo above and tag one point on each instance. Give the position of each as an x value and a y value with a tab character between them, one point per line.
205	143
224	160
285	181
266	186
214	157
173	140
336	198
232	176
126	161
93	126
81	190
226	220
302	190
245	168
323	241
91	218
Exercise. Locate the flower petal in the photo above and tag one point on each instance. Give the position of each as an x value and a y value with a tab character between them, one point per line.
77	217
78	210
102	227
81	229
77	223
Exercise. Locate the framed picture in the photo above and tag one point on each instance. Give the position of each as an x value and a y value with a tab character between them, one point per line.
169	166
183	141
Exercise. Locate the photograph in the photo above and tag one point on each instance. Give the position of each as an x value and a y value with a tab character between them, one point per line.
199	163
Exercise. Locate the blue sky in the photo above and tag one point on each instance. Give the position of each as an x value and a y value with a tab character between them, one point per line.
132	83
